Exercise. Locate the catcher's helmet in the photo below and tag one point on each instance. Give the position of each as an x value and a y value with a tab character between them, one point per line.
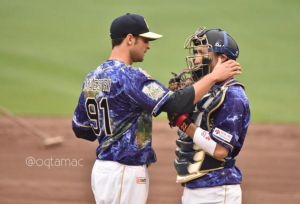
208	40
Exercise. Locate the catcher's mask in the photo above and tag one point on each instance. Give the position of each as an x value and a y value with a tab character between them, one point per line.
202	44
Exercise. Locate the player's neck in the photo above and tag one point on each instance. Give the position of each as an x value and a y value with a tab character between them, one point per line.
121	55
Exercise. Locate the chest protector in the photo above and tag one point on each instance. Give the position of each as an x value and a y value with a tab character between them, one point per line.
192	162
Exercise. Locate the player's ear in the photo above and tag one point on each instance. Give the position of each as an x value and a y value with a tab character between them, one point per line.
223	57
130	39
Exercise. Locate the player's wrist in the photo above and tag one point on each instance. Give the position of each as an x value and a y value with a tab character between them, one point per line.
212	77
183	122
204	141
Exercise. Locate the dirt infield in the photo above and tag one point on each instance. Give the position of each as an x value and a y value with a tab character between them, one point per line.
269	162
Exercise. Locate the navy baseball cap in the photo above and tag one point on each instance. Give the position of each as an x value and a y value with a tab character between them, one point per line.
131	24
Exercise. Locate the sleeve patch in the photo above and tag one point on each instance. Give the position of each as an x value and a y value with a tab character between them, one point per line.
153	91
221	134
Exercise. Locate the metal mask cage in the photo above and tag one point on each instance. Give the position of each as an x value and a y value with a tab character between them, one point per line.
193	44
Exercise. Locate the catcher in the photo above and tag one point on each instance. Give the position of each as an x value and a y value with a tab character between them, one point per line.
212	135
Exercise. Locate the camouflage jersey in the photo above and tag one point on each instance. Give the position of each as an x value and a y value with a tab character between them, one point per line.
117	103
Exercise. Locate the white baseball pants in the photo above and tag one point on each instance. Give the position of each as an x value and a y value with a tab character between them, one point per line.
115	183
228	194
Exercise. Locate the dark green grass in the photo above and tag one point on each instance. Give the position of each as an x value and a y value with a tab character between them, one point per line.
47	48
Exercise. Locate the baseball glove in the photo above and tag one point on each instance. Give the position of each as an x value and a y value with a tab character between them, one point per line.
180	81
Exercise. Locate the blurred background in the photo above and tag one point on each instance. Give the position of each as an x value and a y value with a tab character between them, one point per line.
48	47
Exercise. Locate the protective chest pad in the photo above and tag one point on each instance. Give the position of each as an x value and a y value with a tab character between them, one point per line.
192	162
210	103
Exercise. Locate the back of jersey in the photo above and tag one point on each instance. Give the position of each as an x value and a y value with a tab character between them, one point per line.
116	105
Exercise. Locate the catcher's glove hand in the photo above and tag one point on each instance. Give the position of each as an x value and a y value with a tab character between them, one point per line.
182	121
180	81
172	117
174	82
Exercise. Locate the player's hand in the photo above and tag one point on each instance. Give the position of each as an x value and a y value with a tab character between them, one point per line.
226	70
181	121
172	117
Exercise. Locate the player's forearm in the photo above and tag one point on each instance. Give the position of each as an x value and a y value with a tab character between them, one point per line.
180	102
210	146
202	86
83	132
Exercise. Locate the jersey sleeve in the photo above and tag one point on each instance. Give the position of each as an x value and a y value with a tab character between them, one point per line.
231	121
147	93
81	124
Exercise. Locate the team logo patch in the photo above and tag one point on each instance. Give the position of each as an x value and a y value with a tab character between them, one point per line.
221	134
153	91
141	180
206	136
219	44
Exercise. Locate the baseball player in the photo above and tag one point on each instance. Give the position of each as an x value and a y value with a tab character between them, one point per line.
213	134
116	107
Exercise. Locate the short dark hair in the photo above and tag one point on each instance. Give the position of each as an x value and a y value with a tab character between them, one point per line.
116	42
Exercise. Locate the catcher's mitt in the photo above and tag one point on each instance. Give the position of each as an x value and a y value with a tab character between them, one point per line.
180	81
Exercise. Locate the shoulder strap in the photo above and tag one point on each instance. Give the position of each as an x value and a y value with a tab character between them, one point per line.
233	82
